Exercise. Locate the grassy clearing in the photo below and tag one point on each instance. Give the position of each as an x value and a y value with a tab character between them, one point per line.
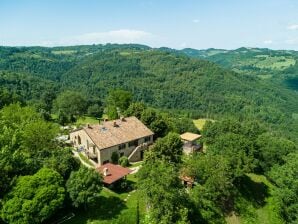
199	123
86	120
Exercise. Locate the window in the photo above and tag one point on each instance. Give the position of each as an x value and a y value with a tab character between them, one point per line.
122	146
79	140
133	143
147	139
121	154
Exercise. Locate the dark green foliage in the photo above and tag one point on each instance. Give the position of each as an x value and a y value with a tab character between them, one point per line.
168	148
119	98
123	161
215	190
285	177
135	109
112	112
84	186
272	150
34	198
155	121
95	111
62	161
162	189
70	104
115	157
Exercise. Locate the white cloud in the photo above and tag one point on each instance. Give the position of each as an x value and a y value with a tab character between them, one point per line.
293	27
195	20
268	41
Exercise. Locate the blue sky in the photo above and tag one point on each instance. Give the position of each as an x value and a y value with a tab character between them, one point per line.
178	24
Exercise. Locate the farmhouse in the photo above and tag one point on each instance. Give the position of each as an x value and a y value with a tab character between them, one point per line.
126	136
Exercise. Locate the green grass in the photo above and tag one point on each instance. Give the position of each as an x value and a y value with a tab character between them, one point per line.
86	120
199	123
85	159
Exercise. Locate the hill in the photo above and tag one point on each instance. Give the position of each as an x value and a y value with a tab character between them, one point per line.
162	79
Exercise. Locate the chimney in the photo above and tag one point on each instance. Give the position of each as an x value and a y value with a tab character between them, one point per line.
115	124
88	125
122	118
105	171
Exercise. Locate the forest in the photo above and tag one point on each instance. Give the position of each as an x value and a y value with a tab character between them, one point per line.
249	168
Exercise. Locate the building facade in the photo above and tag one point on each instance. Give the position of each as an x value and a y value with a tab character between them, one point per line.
126	137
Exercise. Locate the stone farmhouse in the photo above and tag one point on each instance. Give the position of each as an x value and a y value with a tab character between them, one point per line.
126	136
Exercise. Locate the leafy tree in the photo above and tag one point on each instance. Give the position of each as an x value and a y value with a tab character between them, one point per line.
285	177
70	103
115	157
168	148
155	121
112	112
123	161
84	186
34	198
119	98
95	111
135	109
62	161
163	192
272	150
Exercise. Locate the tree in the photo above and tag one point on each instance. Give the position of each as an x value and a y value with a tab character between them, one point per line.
112	112
119	98
84	186
163	192
155	121
34	198
285	193
272	150
62	161
70	103
123	161
115	157
215	185
168	148
135	109
95	111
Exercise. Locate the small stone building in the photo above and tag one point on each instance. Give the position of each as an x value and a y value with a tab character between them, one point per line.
126	136
190	144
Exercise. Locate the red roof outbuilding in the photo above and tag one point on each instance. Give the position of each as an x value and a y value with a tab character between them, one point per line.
111	172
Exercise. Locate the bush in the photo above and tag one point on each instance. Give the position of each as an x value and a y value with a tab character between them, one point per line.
123	161
115	157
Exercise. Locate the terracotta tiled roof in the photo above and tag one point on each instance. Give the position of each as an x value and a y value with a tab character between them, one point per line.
115	172
107	134
190	136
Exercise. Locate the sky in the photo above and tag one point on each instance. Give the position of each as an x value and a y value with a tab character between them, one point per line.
200	24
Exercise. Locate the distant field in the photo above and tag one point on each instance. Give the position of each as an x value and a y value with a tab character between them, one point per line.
64	52
199	123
